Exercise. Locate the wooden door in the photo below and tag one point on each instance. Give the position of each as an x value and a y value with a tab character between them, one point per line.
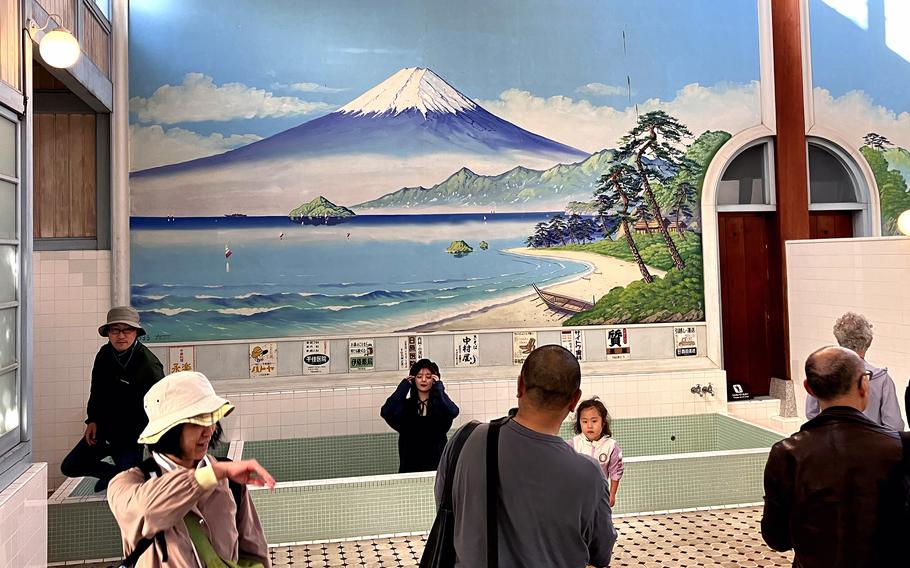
751	300
831	224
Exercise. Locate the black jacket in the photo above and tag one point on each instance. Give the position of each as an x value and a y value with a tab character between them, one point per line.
115	403
835	493
421	438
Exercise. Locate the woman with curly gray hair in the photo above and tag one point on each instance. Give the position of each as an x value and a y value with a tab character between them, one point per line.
853	331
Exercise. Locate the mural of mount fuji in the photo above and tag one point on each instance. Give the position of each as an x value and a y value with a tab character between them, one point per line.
413	121
415	166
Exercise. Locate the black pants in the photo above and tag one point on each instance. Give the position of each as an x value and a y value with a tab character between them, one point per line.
85	460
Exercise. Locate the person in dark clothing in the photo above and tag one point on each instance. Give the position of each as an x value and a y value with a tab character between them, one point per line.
123	371
834	491
422	413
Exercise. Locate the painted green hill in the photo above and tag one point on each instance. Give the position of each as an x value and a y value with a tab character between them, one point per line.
320	207
899	159
518	187
892	186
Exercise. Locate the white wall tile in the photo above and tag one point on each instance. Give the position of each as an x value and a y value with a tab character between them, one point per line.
870	277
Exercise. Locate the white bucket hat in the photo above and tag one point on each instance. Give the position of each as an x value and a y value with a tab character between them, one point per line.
186	397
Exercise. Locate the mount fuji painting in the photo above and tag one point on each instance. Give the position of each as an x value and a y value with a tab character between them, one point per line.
412	127
420	166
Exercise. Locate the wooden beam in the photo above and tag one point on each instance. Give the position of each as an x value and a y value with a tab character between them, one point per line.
790	152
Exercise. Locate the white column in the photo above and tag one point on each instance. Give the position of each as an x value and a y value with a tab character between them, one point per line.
120	155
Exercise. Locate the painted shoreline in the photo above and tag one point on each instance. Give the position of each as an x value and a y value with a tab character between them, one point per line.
604	273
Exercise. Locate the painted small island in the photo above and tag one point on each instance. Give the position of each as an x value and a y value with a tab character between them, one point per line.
459	248
320	211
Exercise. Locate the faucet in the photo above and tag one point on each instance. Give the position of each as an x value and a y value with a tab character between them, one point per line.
702	391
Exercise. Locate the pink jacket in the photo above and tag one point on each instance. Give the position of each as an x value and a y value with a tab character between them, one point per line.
606	451
145	507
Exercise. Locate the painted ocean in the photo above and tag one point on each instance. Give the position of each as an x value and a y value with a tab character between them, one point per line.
372	274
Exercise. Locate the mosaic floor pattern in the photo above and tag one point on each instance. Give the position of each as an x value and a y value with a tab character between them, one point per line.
724	538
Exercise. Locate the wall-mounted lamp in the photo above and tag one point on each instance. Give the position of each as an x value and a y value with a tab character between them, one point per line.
903	222
58	48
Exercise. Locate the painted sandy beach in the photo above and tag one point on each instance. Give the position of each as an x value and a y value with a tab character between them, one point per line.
604	273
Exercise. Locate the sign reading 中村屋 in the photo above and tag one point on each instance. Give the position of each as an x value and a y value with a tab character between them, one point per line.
263	360
574	341
618	344
685	341
467	350
361	354
182	358
523	342
410	350
315	356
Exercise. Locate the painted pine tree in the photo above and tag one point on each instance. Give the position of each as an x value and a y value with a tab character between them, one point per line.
618	195
654	147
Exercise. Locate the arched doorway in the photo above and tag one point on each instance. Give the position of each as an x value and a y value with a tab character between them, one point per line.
749	259
744	303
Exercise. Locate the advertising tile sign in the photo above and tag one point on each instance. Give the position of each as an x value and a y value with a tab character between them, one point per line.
523	342
316	356
467	350
263	360
361	355
685	341
410	350
574	341
181	358
618	344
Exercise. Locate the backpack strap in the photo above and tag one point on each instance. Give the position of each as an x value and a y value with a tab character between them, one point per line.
457	444
493	491
236	488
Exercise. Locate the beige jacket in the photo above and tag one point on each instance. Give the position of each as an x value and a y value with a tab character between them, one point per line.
145	507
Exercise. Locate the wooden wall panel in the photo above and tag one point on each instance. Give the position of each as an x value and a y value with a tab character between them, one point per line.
65	175
61	167
42	80
10	43
65	8
96	42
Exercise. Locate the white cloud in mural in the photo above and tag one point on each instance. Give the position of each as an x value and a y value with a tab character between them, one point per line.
589	127
198	98
313	88
601	89
152	146
855	114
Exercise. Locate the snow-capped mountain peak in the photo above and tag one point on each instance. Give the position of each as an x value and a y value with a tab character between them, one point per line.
410	88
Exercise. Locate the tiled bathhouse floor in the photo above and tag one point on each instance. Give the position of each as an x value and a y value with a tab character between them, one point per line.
723	538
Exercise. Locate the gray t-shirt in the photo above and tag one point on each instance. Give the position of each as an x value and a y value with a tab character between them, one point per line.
554	504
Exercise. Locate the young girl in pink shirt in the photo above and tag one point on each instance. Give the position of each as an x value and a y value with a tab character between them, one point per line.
594	438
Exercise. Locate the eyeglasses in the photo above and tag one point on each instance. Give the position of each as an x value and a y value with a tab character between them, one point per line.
865	374
120	330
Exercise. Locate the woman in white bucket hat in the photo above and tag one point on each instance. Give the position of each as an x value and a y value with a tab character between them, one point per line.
185	506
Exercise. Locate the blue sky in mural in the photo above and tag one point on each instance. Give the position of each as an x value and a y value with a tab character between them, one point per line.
843	47
327	53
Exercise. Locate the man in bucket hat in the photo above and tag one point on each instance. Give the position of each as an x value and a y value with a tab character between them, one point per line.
123	372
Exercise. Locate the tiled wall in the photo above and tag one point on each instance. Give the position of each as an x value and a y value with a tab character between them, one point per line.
355	410
230	359
72	295
765	412
23	520
869	276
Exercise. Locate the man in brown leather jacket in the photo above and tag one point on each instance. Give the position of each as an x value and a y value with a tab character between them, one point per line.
833	490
